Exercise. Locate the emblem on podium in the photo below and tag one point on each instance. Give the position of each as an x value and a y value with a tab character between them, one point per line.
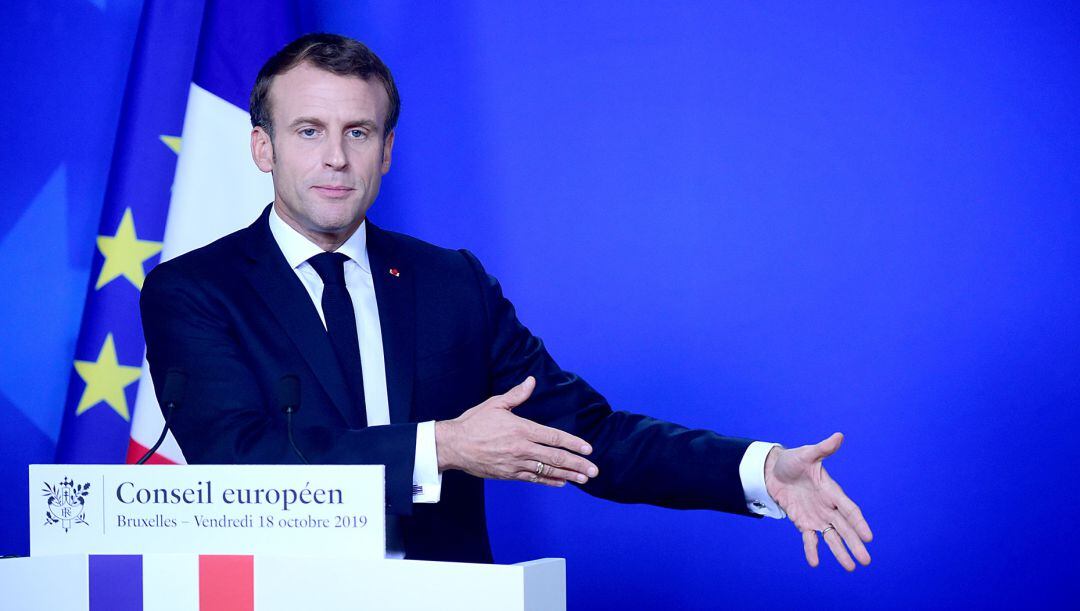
66	501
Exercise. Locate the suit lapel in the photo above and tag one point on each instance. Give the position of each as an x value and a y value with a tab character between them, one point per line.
395	292
284	295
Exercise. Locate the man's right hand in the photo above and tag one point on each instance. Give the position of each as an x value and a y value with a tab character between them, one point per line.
489	441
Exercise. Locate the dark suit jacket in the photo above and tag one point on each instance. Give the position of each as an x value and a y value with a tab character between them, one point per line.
236	318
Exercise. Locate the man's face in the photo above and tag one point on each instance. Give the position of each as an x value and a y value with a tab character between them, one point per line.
328	153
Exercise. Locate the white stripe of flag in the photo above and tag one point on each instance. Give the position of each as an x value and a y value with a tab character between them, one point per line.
217	190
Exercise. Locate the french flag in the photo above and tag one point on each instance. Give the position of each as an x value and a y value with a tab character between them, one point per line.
173	582
217	188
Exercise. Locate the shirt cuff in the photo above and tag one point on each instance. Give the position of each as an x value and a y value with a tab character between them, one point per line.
752	474
427	481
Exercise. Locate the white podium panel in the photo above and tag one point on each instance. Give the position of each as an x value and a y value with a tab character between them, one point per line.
207	509
409	585
276	583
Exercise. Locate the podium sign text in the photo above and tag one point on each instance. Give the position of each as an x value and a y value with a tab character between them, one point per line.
207	509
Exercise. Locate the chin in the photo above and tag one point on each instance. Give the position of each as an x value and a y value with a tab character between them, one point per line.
338	224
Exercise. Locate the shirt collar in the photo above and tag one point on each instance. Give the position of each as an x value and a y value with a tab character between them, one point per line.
298	249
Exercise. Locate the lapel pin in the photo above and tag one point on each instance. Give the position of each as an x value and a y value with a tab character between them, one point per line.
394	272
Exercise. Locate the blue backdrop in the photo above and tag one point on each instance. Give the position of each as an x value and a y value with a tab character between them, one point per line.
774	220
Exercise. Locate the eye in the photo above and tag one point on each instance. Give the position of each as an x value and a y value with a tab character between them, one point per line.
308	132
359	134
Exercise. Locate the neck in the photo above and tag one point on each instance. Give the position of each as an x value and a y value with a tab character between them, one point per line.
329	241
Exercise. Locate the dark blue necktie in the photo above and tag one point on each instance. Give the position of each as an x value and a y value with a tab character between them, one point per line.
340	318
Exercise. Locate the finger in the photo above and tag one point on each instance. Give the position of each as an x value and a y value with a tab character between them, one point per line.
849	510
556	473
518	394
548	436
825	448
809	543
533	478
854	543
832	538
564	460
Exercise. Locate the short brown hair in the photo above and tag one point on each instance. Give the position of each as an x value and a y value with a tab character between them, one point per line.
336	54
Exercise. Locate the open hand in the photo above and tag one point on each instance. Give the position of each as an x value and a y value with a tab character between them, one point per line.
491	442
797	480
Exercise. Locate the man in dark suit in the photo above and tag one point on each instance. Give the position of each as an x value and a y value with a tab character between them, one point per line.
408	355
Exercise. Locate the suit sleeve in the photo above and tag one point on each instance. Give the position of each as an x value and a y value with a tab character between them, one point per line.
229	416
641	459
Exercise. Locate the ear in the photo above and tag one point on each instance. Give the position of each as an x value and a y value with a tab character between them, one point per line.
387	148
262	149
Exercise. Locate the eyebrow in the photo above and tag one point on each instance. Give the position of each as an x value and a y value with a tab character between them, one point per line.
305	120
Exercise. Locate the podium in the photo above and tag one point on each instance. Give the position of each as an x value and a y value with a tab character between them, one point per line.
187	582
240	538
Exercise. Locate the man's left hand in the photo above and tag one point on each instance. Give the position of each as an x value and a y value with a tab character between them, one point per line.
798	482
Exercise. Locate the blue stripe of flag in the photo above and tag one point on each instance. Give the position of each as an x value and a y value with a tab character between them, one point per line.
231	51
116	583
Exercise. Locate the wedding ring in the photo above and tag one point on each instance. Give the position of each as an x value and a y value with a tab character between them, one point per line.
831	527
540	468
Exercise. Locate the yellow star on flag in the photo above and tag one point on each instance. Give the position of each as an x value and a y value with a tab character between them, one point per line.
125	253
173	142
105	380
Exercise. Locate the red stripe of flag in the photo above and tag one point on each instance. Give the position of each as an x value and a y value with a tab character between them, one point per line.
136	450
226	583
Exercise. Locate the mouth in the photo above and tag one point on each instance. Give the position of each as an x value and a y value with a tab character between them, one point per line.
333	191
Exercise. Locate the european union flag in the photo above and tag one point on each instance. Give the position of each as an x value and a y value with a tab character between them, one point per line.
109	351
192	60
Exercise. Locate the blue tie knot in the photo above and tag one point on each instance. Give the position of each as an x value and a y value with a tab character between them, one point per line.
330	266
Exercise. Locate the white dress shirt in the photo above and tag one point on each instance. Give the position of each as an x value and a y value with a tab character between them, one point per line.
427	481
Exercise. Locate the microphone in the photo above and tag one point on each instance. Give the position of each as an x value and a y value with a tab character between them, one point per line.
288	398
171	396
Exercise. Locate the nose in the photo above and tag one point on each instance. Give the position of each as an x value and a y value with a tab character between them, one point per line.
334	156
